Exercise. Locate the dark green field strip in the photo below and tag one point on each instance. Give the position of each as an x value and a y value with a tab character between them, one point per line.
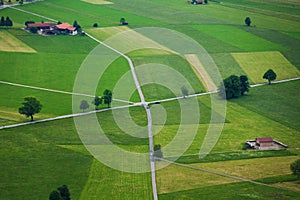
233	191
227	65
278	102
237	37
169	12
291	44
217	157
27	163
288	9
68	11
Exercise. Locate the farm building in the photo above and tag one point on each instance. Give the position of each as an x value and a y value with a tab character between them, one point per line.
267	143
49	28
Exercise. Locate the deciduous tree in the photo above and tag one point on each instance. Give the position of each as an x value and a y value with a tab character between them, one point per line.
244	84
84	105
270	75
107	97
30	107
55	195
97	101
232	87
248	21
64	192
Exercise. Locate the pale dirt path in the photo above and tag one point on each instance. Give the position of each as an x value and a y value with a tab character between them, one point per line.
201	73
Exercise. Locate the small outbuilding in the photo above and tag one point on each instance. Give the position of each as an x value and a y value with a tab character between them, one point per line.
267	143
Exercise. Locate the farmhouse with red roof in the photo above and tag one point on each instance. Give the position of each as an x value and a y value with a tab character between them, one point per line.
49	28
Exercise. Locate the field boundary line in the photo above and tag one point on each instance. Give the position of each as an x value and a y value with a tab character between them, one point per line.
64	117
56	91
31	13
200	72
224	175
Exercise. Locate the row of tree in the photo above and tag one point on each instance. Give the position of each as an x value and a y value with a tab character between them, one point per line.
106	98
32	106
6	22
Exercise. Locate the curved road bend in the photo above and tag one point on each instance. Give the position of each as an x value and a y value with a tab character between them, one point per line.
145	104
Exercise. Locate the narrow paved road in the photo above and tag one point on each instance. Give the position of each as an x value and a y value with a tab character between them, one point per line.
145	105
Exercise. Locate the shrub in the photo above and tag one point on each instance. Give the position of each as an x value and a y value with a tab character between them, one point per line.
33	29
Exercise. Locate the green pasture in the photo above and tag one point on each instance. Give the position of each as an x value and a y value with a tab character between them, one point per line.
255	64
239	38
276	102
245	120
47	155
122	185
37	154
212	13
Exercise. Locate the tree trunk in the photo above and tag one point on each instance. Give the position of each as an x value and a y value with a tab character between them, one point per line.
269	82
31	117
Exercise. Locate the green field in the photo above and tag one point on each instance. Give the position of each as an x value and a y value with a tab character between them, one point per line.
38	158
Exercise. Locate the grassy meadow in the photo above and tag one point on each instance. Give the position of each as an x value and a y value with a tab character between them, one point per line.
50	154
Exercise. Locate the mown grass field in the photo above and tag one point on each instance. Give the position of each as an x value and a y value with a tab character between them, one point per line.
47	155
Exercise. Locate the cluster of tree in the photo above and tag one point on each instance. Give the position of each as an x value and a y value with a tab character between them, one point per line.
234	86
295	168
106	98
62	193
30	107
6	22
157	151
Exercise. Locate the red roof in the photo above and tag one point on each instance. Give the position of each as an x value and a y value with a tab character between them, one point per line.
65	26
262	140
45	24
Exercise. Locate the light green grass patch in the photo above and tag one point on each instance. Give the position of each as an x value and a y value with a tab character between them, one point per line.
104	33
11	44
175	178
107	183
257	63
238	38
98	2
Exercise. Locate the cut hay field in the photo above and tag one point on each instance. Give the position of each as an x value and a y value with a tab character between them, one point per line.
256	64
38	158
9	43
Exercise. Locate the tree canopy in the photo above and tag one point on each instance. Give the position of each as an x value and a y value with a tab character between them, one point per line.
84	105
30	107
244	84
97	101
248	21
234	86
270	75
107	97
